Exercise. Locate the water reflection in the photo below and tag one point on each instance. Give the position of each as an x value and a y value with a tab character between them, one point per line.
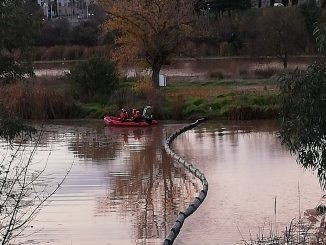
150	188
120	176
123	189
246	168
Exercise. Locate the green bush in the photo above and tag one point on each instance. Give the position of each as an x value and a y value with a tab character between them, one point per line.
195	101
92	110
96	77
263	100
215	105
193	111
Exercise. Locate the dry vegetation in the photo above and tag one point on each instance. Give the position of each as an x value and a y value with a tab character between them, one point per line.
33	101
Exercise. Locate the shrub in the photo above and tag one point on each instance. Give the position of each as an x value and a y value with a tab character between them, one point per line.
178	104
111	110
215	105
124	97
94	77
251	112
193	111
195	101
143	87
93	110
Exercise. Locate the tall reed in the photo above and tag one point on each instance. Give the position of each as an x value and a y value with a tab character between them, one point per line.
32	101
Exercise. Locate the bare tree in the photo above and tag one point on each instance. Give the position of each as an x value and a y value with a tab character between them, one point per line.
277	32
23	191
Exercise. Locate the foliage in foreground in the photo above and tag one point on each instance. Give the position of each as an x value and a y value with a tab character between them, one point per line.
13	128
23	191
303	121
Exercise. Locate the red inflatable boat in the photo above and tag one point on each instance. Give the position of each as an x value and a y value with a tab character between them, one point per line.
115	121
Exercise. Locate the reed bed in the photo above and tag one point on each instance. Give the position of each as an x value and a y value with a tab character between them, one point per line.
32	101
299	232
252	112
306	229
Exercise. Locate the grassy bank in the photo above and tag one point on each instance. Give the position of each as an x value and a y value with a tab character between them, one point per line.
214	99
47	98
223	99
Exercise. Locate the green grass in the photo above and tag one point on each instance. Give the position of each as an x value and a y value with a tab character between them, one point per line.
92	110
214	98
225	98
224	82
222	106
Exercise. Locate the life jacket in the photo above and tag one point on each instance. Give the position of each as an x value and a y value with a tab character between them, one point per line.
137	116
123	116
133	113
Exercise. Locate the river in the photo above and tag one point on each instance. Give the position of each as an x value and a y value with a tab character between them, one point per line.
124	190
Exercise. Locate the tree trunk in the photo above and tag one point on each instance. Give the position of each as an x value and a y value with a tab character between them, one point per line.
323	3
285	61
285	2
294	2
155	74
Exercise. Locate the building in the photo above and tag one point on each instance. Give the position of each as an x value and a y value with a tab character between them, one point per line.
73	8
266	3
65	8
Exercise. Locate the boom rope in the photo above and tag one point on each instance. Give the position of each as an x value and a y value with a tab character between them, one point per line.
171	236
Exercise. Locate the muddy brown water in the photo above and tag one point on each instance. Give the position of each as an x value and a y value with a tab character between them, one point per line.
197	69
123	189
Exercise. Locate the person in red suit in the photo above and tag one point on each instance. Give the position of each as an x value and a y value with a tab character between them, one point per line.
137	117
123	115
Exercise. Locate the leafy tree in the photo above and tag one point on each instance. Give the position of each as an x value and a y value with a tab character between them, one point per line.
303	110
54	32
303	121
277	32
311	12
19	21
320	35
97	76
149	31
87	33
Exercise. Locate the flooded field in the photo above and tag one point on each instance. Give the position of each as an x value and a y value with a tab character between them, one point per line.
123	189
194	69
